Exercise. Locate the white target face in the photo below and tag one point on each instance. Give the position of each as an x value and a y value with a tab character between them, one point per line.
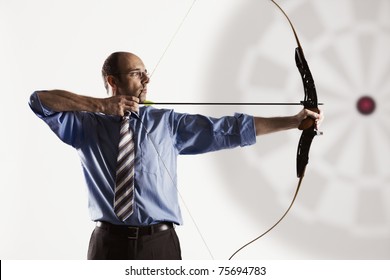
343	209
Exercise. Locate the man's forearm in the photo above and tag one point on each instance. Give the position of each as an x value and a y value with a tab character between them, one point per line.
269	125
62	101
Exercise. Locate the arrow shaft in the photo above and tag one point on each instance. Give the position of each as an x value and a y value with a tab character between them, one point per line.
224	103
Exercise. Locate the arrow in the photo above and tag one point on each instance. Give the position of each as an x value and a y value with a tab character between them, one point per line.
149	103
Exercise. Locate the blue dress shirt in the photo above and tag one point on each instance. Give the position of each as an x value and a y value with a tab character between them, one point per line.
160	136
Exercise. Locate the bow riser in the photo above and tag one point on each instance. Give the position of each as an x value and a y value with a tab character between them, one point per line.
310	101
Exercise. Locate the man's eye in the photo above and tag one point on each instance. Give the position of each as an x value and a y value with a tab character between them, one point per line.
134	74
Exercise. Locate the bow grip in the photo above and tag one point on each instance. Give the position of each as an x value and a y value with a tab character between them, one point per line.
308	122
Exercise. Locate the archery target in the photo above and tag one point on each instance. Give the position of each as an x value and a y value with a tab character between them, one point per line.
343	209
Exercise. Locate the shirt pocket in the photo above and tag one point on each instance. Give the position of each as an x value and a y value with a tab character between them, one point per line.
151	157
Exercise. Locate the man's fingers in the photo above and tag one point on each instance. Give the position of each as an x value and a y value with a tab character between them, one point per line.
317	115
319	119
130	98
312	114
132	106
308	117
128	104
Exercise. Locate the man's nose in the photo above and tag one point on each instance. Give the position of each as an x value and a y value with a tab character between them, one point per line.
145	78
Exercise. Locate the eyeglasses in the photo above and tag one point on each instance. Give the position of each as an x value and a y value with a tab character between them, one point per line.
136	74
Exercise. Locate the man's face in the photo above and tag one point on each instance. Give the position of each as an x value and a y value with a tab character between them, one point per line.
132	78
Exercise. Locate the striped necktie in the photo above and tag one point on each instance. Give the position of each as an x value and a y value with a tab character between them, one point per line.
124	184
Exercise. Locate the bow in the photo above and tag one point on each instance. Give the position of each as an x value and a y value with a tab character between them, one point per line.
310	102
307	126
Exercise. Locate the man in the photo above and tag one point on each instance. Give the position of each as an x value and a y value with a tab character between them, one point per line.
143	227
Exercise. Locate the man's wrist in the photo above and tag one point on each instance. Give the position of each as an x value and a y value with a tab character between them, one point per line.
99	105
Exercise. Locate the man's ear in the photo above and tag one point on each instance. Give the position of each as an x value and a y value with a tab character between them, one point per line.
112	85
112	82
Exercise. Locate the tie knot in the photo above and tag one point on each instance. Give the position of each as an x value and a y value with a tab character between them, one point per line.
126	115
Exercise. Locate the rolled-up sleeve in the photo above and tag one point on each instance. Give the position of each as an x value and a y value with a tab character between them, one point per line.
247	129
68	126
196	134
38	108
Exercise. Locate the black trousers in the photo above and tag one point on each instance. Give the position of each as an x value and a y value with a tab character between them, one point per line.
107	245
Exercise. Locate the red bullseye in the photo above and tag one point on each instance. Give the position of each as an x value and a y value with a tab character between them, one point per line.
365	105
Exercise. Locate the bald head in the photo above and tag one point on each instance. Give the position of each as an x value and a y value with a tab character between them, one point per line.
115	62
124	73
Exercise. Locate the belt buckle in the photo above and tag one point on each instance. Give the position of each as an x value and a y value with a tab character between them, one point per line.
136	231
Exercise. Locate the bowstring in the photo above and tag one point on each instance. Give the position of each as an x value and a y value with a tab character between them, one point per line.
173	38
155	146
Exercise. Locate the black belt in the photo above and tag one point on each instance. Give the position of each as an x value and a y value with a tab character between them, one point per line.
134	232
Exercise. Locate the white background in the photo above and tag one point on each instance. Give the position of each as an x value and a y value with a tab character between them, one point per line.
62	44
